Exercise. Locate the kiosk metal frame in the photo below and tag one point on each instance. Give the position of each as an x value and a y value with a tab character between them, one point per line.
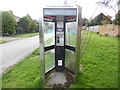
60	15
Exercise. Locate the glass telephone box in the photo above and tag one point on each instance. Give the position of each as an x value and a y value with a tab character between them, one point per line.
60	40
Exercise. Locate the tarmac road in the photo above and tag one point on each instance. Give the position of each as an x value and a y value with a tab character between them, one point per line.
14	51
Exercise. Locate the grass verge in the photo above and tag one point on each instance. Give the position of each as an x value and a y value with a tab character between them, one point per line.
3	41
26	35
26	74
100	67
99	64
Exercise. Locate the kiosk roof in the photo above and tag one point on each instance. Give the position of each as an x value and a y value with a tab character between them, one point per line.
60	11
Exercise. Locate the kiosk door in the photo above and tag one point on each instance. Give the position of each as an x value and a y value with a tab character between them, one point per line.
59	46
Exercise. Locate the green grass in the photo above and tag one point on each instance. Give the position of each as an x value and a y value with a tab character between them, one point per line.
100	64
26	74
3	41
26	35
100	67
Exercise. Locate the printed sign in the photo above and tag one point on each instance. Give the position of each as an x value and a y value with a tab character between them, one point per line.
59	62
60	29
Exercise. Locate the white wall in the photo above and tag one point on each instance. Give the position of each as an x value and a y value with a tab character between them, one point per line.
93	28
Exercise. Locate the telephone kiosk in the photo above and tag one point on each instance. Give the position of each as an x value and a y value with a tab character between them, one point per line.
59	46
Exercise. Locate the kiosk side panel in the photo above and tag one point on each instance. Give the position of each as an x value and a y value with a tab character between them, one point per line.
78	52
42	61
49	45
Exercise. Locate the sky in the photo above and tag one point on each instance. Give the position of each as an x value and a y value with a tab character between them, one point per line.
21	8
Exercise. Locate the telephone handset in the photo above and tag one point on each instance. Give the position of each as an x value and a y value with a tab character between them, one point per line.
60	38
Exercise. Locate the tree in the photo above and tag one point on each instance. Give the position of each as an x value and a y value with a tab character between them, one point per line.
19	30
96	20
113	4
117	18
25	24
34	27
85	22
8	23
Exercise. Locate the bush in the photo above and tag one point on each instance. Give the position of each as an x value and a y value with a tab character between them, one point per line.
34	27
106	34
25	24
97	32
118	36
117	18
8	24
18	30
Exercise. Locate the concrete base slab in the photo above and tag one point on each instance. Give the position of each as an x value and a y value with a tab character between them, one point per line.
59	80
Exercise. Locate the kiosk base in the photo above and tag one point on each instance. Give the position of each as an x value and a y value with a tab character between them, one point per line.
59	79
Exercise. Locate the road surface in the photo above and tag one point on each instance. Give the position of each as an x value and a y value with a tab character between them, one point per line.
14	51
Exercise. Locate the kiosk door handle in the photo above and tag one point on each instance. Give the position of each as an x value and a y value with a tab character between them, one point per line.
58	40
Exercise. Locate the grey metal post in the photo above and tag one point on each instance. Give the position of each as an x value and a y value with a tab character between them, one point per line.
42	60
79	27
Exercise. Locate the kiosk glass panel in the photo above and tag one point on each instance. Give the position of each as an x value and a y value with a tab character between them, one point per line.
70	41
49	59
71	33
70	60
49	39
49	34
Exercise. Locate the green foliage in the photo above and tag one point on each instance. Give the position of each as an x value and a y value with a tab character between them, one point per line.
117	18
25	35
3	41
85	22
9	26
8	23
25	24
18	30
34	27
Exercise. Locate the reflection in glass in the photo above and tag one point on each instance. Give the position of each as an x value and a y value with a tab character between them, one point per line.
71	33
49	33
70	60
49	60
